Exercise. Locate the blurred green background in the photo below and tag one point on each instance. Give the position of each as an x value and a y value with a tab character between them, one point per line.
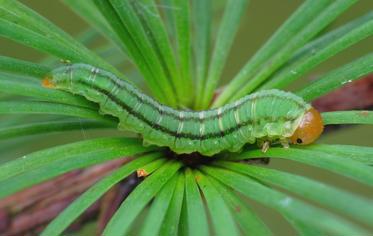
260	21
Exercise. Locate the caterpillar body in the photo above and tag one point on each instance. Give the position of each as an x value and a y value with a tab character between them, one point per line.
264	117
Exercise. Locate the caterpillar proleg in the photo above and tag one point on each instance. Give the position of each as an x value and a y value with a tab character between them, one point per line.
266	116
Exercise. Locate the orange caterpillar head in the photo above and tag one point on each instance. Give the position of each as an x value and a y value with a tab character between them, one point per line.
309	129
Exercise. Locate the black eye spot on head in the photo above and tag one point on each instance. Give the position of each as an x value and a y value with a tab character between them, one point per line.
299	141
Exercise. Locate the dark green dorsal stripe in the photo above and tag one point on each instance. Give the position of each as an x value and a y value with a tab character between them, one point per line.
163	129
268	114
158	107
217	115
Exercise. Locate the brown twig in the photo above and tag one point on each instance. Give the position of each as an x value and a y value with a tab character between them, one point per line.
355	95
27	210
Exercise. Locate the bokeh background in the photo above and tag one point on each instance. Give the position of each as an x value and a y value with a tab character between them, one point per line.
260	21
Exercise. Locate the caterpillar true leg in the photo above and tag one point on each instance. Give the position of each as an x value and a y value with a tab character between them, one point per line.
265	146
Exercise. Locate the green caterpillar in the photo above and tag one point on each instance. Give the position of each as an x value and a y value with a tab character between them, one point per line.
264	117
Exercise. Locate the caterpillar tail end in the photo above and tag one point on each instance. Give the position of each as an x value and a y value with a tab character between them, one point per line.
47	82
142	173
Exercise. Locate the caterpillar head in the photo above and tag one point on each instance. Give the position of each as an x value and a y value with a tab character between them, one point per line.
309	129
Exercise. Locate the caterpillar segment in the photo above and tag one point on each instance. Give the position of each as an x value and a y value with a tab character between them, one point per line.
264	117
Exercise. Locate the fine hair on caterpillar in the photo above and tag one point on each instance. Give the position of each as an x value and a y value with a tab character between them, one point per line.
265	117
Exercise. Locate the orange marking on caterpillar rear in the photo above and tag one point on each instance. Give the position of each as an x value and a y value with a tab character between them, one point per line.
47	82
142	173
